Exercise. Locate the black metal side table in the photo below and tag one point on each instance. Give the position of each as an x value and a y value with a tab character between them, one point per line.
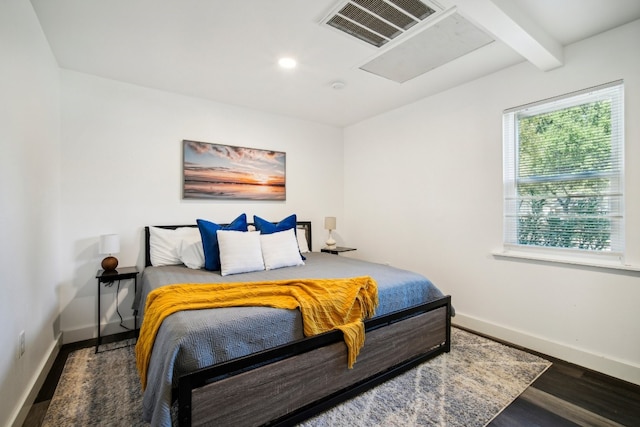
337	250
123	273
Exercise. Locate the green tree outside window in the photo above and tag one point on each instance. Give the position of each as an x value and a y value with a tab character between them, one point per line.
566	174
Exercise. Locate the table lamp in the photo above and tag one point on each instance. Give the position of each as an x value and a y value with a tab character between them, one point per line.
109	244
330	224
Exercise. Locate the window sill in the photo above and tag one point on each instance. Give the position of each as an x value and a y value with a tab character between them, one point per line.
552	259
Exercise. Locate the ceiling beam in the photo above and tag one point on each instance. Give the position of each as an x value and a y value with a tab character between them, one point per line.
509	24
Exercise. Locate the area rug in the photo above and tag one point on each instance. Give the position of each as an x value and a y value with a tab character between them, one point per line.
467	387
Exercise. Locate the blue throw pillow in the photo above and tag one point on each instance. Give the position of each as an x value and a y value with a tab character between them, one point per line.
266	227
210	239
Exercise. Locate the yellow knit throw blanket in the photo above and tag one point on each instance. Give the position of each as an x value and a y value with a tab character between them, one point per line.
325	304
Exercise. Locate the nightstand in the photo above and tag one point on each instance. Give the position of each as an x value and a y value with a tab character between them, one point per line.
122	273
337	250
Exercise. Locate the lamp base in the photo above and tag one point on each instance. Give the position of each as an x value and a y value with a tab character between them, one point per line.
331	244
109	263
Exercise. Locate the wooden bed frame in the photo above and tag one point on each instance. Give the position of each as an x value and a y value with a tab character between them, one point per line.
288	384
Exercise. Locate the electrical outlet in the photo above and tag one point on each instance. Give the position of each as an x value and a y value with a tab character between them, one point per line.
21	344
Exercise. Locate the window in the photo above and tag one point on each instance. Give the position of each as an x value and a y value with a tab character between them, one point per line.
563	173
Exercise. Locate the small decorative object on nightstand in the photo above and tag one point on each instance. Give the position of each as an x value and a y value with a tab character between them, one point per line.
111	276
336	250
330	224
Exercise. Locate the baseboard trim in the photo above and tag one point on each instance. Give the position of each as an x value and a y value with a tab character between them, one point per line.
89	332
37	382
616	368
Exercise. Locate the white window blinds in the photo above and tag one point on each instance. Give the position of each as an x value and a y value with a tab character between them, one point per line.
563	172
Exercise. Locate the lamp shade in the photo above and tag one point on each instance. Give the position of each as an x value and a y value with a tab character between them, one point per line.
329	222
109	244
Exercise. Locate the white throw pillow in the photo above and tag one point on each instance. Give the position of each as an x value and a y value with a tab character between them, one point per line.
280	250
164	244
239	251
302	241
191	252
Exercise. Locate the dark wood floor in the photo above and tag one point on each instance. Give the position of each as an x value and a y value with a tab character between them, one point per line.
570	395
565	395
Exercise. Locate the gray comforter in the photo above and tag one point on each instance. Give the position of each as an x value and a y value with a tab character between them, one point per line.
194	339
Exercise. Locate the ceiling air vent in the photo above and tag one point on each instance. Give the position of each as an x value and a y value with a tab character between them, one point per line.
378	21
449	37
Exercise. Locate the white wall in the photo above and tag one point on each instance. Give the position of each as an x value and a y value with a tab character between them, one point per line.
122	170
29	204
423	190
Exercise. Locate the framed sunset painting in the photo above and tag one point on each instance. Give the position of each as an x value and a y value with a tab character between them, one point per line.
217	171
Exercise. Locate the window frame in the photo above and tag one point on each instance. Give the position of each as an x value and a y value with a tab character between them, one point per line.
613	91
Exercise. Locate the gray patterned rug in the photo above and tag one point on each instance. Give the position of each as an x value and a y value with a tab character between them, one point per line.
467	387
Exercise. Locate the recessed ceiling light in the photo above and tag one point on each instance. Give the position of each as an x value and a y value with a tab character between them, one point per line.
287	63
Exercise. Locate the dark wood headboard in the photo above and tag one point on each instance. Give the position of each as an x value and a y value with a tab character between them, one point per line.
301	225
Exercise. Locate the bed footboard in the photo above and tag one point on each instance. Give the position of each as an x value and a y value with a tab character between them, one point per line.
290	383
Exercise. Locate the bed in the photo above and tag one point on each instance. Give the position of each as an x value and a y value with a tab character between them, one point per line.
253	365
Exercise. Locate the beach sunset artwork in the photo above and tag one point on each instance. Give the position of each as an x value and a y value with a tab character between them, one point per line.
216	171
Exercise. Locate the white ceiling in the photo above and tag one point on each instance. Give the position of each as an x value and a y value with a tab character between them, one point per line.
227	51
